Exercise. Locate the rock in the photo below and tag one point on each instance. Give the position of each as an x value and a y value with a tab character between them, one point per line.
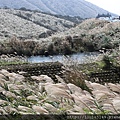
39	109
43	79
23	108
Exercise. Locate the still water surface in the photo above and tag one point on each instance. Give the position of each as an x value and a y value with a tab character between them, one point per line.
81	57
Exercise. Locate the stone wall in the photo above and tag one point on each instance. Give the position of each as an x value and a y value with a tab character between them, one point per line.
109	76
48	68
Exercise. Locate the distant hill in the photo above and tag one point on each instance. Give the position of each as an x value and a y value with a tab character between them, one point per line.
80	8
30	25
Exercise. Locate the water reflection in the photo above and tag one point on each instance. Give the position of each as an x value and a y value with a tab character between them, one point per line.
81	57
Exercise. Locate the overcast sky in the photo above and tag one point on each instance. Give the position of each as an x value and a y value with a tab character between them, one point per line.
110	5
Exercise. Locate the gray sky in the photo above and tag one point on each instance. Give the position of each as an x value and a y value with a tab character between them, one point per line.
110	5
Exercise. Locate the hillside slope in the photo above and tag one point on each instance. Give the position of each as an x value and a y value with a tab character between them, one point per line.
80	8
28	24
90	35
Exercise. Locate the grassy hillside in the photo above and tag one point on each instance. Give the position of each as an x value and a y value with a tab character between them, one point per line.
91	35
54	35
30	24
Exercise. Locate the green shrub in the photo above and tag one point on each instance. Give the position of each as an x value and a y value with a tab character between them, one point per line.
50	49
107	62
20	47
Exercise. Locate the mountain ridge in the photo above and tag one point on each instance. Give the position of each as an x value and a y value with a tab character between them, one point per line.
80	8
